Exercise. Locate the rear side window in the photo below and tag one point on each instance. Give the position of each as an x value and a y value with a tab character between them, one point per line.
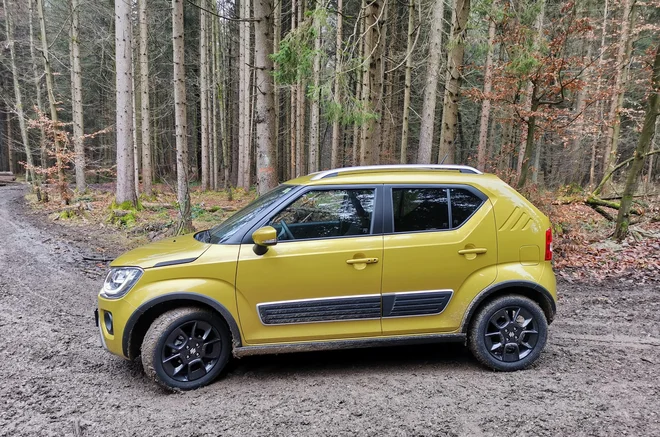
432	209
420	209
463	205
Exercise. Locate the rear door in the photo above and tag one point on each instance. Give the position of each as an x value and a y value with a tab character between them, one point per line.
437	238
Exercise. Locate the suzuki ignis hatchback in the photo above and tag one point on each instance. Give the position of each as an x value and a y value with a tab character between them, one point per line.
354	257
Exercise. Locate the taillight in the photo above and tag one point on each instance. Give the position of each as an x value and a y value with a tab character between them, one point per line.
548	244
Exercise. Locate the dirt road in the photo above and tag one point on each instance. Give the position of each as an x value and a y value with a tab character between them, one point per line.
598	376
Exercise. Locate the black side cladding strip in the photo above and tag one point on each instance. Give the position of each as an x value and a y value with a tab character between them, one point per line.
415	304
320	310
175	262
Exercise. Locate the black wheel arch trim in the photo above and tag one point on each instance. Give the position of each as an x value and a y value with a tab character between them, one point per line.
180	296
489	291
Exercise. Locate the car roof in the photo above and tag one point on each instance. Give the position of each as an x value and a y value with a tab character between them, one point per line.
397	174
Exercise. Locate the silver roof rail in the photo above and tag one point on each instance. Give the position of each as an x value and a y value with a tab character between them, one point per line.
338	171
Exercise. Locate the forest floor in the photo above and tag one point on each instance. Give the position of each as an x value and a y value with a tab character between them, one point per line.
597	375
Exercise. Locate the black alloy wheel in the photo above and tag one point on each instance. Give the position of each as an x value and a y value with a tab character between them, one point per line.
191	351
186	348
511	334
508	333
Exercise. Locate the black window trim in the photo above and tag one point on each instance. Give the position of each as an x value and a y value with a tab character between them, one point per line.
376	222
388	213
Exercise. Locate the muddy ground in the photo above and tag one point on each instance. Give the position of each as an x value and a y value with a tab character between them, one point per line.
599	374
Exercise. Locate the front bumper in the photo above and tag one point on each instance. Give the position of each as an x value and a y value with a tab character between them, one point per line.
119	311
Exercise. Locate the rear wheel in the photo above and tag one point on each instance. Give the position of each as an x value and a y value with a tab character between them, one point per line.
186	348
508	333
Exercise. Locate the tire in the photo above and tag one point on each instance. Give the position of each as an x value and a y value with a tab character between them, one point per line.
508	333
186	348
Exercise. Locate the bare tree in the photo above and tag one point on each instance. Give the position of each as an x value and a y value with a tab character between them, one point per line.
184	224
265	103
334	153
37	84
204	95
244	87
315	109
124	83
622	56
449	123
643	146
76	98
431	84
145	119
50	88
18	95
485	105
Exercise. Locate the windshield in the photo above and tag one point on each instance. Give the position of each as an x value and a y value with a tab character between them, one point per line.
223	232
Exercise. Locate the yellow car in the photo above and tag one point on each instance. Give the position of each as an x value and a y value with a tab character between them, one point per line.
345	258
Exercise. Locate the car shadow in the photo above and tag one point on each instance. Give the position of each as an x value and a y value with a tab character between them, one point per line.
382	359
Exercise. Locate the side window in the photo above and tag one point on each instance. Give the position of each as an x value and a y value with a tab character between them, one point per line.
420	209
326	214
463	205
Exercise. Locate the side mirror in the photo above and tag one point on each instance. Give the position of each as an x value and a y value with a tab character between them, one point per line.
263	238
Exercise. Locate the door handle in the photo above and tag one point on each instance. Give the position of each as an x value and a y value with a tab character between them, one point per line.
476	251
362	261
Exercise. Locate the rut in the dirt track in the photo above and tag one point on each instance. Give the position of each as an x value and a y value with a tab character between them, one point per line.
597	376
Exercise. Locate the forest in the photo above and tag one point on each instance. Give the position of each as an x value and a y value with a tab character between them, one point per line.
208	95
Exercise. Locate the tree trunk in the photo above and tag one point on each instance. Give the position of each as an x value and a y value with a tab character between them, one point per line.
135	104
76	99
204	96
599	83
643	146
430	86
649	174
145	123
527	105
184	224
334	152
315	110
37	85
424	155
372	10
294	170
482	148
280	146
10	145
215	102
265	103
300	107
529	141
50	88
29	171
449	123
620	81
124	124
244	168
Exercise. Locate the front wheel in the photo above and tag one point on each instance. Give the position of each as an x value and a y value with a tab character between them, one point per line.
186	348
508	333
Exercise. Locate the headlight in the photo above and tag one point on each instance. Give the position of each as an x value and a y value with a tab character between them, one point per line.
119	281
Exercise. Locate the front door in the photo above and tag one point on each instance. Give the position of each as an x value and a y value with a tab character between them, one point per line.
438	239
322	279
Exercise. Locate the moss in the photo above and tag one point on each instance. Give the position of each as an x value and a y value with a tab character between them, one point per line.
67	214
127	220
126	206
